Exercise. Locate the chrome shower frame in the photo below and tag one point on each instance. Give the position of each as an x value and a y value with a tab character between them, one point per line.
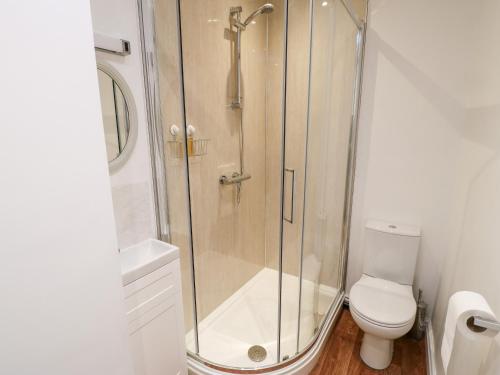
155	131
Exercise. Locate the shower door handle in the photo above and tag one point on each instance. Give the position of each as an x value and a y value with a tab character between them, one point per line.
292	196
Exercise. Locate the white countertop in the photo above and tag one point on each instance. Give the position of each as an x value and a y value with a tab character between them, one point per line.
140	260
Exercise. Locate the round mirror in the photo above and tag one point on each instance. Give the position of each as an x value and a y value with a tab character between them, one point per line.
118	115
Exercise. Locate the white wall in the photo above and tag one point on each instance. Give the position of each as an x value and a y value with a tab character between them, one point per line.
429	144
411	113
62	310
131	184
473	263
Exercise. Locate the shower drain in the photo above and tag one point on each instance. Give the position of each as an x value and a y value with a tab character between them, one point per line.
257	353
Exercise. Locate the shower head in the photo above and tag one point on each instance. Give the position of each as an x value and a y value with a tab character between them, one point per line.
264	9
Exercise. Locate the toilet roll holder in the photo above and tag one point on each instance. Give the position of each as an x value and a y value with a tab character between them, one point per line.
479	324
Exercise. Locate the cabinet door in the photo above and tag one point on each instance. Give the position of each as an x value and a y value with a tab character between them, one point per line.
157	343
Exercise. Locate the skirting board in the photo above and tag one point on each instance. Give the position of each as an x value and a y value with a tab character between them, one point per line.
431	350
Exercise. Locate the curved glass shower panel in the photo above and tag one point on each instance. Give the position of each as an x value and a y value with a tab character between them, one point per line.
297	78
170	113
228	102
330	125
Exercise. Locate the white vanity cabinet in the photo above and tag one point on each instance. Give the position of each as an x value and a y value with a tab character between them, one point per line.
152	285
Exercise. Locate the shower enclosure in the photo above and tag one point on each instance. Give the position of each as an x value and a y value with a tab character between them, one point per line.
252	109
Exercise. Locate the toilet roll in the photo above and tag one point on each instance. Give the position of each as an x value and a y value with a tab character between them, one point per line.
463	350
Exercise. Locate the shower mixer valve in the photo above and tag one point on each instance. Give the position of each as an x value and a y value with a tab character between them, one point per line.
235	179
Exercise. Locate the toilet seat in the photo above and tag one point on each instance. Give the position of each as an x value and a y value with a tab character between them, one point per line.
379	324
383	303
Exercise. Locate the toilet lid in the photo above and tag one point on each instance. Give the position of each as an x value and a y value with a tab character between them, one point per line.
384	302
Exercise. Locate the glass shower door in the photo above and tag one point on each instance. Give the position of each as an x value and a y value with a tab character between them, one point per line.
318	156
295	107
232	73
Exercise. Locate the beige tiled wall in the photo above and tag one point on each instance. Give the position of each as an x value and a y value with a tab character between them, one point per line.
274	143
228	238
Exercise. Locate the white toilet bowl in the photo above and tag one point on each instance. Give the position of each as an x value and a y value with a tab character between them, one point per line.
385	311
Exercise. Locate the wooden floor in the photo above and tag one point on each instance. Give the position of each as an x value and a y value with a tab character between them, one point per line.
341	353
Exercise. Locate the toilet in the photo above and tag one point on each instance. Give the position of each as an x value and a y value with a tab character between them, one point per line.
381	301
